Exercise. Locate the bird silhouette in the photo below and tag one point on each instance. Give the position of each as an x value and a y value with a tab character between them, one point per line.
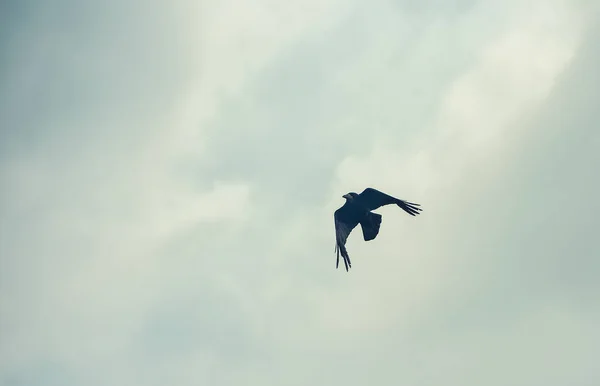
357	210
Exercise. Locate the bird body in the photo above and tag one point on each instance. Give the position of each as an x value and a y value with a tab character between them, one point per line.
357	210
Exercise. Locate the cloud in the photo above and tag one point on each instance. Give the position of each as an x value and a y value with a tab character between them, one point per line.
167	210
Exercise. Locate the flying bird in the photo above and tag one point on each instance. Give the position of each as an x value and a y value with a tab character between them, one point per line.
357	210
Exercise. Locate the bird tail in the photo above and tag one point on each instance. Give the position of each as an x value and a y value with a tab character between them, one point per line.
370	225
340	248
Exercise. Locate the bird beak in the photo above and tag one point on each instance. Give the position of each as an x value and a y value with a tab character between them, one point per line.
346	196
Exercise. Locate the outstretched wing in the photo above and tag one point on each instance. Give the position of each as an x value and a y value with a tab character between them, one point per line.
344	223
373	199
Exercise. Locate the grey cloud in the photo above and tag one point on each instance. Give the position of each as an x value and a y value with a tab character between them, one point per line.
519	296
539	211
258	302
436	6
319	101
108	65
47	373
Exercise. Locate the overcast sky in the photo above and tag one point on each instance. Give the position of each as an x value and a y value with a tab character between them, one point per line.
169	172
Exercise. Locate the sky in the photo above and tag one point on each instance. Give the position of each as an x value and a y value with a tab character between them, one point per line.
169	172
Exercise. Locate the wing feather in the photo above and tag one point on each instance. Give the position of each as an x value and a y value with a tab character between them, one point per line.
373	199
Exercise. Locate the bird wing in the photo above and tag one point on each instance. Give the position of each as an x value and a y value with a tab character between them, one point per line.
373	199
370	225
343	226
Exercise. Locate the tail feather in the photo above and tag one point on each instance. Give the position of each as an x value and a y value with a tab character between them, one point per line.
370	225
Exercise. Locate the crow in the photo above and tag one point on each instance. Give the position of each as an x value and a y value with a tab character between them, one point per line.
357	210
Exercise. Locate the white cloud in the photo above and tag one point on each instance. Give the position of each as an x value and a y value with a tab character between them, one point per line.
154	239
513	74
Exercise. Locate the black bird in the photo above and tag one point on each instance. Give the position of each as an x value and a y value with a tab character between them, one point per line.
357	210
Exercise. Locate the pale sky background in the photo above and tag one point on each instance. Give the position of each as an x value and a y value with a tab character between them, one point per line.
169	172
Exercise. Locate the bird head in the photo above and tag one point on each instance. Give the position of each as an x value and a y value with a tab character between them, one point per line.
350	196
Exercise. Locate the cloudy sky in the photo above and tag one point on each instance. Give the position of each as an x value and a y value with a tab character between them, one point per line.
169	174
